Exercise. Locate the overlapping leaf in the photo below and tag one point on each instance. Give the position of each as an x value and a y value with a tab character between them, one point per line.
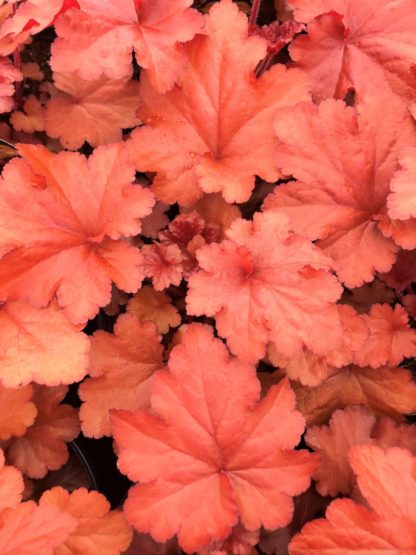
49	224
213	131
210	451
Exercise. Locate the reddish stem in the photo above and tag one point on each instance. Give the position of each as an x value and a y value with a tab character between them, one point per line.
17	60
254	14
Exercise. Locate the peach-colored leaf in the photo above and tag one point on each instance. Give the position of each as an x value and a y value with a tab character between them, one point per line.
100	531
401	202
31	119
31	17
49	223
9	75
154	306
40	345
43	447
121	369
389	391
18	411
28	529
210	451
101	37
391	339
345	159
11	485
387	480
266	284
92	111
213	131
352	43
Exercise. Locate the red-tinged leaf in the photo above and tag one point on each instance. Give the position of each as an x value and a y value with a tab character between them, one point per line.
403	272
101	37
164	264
48	224
351	43
388	391
92	111
121	369
362	298
144	544
345	159
401	202
28	529
43	447
240	542
215	211
391	339
30	18
353	426
11	486
40	345
18	411
266	284
210	451
213	131
99	531
154	306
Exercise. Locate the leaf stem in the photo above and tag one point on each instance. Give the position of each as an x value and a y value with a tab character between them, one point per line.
254	14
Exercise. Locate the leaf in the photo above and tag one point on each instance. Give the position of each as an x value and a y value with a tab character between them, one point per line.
40	345
121	369
48	225
311	369
29	529
210	451
11	486
213	132
352	43
391	340
401	202
163	263
403	272
266	284
99	529
388	391
18	411
92	111
30	18
354	425
100	39
386	479
9	75
43	447
154	306
345	159
31	119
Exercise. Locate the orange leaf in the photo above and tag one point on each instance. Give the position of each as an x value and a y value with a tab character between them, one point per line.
31	530
387	480
92	111
389	391
352	426
122	365
210	451
352	44
345	159
154	306
18	411
266	284
11	486
213	131
40	345
99	531
43	447
49	225
100	38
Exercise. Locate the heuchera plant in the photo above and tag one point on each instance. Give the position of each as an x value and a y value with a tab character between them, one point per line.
208	257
